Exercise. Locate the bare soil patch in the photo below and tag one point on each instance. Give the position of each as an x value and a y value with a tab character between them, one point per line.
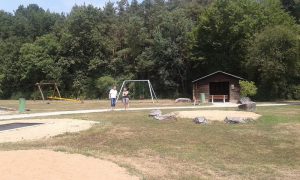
45	164
48	128
216	115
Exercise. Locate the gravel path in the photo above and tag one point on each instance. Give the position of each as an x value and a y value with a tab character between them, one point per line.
216	105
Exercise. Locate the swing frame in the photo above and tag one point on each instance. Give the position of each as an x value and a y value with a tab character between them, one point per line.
152	93
55	88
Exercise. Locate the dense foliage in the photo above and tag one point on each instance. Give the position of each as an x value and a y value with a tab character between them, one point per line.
168	42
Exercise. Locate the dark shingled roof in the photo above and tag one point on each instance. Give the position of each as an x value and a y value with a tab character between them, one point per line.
216	73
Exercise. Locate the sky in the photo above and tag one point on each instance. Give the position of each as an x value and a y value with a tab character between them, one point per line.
53	5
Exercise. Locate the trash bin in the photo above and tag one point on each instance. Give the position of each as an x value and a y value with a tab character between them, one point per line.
202	97
22	104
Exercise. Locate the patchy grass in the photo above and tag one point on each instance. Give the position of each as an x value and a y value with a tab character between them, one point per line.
267	149
48	106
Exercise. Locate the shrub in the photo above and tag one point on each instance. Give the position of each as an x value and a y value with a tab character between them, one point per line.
248	88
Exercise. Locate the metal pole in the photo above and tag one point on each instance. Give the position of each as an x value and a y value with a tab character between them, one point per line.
153	91
120	91
150	91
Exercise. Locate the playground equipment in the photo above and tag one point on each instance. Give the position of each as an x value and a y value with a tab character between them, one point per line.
151	90
64	99
56	94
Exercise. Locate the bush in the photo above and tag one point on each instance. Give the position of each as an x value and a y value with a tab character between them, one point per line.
104	83
248	88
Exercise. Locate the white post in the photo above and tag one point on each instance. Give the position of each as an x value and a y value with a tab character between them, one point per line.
212	98
153	91
120	91
150	91
223	98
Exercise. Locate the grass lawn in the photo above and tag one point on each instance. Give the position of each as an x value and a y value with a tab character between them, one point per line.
48	106
266	149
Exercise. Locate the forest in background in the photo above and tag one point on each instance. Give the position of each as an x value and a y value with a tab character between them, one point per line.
169	42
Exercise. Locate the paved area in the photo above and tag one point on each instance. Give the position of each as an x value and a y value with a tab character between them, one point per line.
215	105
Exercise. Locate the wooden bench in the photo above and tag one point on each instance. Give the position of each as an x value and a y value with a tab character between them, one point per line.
218	97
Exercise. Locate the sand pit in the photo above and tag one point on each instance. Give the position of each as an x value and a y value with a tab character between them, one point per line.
45	164
47	128
216	115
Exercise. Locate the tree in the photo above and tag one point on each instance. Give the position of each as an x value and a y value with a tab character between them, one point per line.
224	31
293	7
273	60
168	42
6	21
39	61
104	83
248	88
33	21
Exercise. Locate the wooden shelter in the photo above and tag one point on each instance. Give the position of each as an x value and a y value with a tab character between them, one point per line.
218	86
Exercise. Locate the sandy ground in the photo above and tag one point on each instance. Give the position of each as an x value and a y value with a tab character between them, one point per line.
50	165
216	115
51	127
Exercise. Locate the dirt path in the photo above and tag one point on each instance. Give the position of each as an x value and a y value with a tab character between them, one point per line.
50	165
217	105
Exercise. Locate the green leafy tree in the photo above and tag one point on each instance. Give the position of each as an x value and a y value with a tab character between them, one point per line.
273	60
248	88
225	28
6	21
38	61
104	83
168	42
293	7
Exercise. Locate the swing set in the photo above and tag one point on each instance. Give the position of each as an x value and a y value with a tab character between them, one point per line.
151	90
55	94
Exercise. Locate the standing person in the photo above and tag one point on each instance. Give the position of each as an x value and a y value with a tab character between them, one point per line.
125	98
113	96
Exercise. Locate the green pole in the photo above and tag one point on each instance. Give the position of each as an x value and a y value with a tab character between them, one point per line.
202	97
22	104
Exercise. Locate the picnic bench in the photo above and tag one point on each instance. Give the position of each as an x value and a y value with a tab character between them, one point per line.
218	97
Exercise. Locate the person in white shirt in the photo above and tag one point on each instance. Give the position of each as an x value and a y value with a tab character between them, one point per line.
113	96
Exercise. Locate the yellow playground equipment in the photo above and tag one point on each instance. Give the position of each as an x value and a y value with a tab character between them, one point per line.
55	91
63	99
